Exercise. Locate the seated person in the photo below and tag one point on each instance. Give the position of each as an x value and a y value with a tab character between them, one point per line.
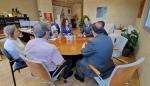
39	49
97	52
87	28
66	28
13	44
55	28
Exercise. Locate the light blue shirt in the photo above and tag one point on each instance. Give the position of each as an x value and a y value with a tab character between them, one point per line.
14	47
41	50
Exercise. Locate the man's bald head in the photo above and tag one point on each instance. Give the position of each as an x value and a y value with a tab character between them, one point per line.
98	27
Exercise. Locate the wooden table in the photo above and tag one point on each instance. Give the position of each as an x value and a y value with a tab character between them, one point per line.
68	47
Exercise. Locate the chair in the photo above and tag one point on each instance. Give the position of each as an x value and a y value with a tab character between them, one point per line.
119	44
120	75
39	70
11	62
118	32
2	38
109	28
113	37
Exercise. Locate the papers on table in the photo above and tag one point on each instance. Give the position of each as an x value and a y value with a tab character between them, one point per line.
26	30
52	39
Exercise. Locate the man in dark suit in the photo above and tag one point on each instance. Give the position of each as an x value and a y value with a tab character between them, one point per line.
87	28
97	52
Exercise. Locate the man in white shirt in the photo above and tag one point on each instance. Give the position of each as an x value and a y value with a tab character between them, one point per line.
39	49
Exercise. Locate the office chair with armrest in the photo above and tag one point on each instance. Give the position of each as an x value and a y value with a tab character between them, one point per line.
109	28
11	62
39	70
120	75
119	46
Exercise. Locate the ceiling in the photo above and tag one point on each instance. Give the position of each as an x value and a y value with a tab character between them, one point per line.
66	3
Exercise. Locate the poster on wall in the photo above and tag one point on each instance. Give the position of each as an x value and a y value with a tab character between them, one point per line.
101	12
48	16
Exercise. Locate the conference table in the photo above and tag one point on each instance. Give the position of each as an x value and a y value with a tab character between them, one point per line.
67	47
70	47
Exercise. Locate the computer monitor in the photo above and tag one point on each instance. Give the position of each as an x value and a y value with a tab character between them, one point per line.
32	23
24	23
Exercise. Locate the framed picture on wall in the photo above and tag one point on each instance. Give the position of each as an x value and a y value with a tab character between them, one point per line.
48	16
101	12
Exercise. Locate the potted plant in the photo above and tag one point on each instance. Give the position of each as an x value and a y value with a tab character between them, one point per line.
132	35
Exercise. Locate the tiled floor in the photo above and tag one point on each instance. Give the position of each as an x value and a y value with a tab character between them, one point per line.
25	79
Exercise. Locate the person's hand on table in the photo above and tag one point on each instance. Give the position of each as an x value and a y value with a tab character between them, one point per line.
90	39
83	46
80	35
84	35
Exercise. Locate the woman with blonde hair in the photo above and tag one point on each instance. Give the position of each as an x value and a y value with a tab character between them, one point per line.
13	45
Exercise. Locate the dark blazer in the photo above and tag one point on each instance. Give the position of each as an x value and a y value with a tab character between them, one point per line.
98	52
87	30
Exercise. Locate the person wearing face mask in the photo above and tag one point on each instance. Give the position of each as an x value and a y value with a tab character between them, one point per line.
87	28
97	52
39	49
55	28
13	45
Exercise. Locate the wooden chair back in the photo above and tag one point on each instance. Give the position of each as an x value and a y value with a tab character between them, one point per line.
38	70
123	73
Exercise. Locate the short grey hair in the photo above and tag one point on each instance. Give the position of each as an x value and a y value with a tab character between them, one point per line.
9	30
40	29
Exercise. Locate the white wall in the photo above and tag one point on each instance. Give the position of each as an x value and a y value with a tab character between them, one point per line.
144	47
76	10
45	5
26	7
119	11
58	9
